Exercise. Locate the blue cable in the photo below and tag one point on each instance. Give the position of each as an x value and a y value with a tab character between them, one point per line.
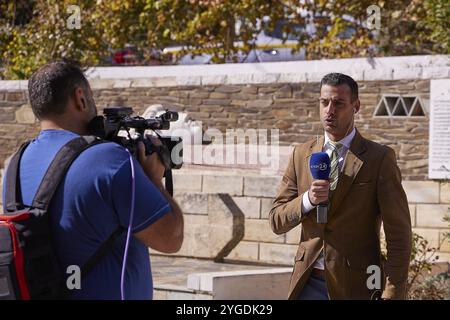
127	243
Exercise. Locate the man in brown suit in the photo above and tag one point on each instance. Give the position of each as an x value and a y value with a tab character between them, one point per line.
333	258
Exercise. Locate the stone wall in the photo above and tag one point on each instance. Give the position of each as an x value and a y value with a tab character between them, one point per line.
292	108
267	95
253	194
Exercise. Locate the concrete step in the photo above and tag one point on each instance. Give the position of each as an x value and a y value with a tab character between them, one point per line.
177	278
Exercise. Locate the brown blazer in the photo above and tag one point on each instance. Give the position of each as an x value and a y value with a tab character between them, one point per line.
369	191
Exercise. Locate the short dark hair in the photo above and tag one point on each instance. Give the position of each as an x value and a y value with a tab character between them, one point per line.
51	86
337	79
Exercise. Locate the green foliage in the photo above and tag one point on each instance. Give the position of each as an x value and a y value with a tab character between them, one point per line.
423	257
33	32
407	27
46	37
421	284
435	287
437	24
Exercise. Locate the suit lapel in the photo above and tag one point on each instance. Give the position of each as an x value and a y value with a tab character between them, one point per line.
316	146
352	164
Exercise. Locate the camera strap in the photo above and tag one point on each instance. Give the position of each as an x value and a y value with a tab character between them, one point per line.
169	181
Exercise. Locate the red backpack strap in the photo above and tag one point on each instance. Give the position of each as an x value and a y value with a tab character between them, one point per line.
13	199
58	169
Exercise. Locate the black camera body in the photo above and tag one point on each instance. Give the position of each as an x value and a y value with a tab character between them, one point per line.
119	118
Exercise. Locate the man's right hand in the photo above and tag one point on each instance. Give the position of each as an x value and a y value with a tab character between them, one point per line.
151	164
318	192
166	234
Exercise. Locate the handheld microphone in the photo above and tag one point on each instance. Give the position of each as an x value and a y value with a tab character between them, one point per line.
319	164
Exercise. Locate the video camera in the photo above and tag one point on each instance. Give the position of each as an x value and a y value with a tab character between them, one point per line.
115	119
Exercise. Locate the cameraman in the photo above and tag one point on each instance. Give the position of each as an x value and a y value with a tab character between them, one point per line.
94	198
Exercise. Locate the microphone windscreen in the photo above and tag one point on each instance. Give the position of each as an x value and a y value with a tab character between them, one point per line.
319	164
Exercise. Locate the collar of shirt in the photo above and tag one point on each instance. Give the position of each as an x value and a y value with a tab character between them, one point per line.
346	141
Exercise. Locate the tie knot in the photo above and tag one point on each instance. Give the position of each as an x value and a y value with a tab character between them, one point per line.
335	145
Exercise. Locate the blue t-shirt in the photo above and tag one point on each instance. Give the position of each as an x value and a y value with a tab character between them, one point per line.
92	201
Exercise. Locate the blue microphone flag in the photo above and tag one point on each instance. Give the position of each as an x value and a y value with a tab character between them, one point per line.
319	164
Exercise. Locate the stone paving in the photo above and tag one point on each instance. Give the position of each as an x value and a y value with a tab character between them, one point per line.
175	270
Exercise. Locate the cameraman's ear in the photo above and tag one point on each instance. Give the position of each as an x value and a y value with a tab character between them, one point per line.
80	101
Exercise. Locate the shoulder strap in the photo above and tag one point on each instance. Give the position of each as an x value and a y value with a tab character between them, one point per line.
57	170
13	201
101	251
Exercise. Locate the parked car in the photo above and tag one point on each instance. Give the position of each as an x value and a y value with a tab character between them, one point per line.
269	45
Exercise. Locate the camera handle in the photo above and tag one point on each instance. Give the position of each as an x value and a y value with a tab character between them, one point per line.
169	181
164	156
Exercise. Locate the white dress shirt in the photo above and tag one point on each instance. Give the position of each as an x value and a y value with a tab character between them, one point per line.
342	152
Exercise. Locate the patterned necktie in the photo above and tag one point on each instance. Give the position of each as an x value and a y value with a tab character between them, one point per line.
334	160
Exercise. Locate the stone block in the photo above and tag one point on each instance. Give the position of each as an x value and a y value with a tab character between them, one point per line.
228	89
436	72
214	235
189	81
15	96
265	77
277	253
412	212
219	95
443	257
167	81
217	102
292	77
315	76
96	84
422	191
121	84
444	240
187	182
431	215
196	237
232	185
378	74
7	115
245	250
239	79
259	103
445	192
407	73
250	206
259	230
154	82
266	206
226	225
267	284
261	186
213	80
249	89
431	235
293	236
25	115
13	85
193	203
